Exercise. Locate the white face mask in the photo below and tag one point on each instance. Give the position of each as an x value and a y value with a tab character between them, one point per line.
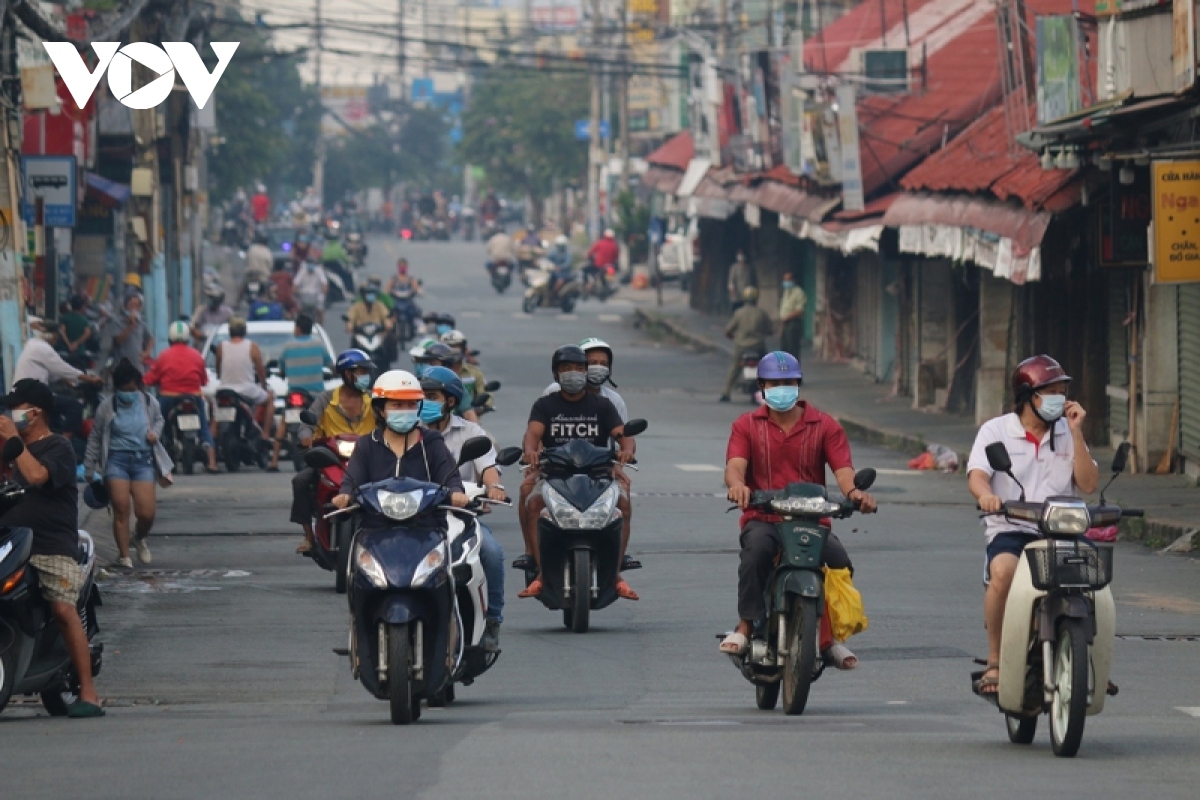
1052	406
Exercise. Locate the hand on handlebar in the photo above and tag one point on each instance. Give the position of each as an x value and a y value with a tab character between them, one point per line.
866	503
459	500
496	493
341	501
990	504
740	496
531	458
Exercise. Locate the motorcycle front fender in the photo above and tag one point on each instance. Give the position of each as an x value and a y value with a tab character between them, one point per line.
800	582
401	609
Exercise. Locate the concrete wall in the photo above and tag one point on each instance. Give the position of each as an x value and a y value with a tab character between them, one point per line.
1159	360
996	299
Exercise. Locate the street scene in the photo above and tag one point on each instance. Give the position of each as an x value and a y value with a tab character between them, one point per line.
664	400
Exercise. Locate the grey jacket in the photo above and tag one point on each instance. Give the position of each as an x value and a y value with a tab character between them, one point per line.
96	457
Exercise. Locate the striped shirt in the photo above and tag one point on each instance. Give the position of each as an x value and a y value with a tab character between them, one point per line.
302	362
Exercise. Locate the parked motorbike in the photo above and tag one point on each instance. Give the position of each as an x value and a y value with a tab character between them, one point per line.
579	536
540	292
181	434
1059	619
331	535
239	437
749	381
294	406
34	659
423	230
501	276
407	636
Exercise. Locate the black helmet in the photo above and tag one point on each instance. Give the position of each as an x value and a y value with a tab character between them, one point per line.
568	354
441	352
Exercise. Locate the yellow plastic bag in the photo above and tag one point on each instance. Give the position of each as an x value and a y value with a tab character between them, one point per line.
844	603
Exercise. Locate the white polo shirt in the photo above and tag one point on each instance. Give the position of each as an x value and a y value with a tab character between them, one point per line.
1042	471
456	434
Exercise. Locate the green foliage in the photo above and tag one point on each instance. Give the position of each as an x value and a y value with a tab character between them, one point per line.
377	157
520	127
632	225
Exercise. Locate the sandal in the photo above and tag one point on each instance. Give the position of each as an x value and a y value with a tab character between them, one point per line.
624	591
82	709
532	590
839	656
304	549
982	682
735	644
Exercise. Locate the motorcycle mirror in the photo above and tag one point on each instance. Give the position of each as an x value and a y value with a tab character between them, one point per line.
998	458
327	373
864	479
491	386
509	456
635	427
473	448
308	417
1120	458
12	449
321	457
481	401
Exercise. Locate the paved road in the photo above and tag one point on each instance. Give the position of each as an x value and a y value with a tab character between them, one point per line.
221	679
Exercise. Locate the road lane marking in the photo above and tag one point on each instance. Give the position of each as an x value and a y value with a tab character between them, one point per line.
1191	711
699	468
609	317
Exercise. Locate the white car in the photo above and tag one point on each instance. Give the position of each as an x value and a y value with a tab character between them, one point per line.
680	253
270	338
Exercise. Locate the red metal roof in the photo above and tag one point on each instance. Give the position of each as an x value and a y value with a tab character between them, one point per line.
1024	227
676	152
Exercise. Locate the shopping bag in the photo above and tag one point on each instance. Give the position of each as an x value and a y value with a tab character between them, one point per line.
844	603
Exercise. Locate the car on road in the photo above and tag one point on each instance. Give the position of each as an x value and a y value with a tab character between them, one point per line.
270	338
680	253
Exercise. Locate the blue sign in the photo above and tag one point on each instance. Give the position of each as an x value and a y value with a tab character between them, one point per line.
583	129
422	89
53	179
656	232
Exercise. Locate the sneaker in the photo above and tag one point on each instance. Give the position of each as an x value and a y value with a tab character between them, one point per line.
122	563
143	551
490	642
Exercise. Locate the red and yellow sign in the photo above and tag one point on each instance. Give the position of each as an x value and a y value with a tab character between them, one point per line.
1176	221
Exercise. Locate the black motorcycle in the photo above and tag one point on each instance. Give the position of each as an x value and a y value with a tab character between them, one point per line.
33	657
406	632
239	438
181	433
501	276
356	248
579	537
294	406
748	383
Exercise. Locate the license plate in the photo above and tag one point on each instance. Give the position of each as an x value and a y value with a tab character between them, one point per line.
750	373
291	416
226	413
188	422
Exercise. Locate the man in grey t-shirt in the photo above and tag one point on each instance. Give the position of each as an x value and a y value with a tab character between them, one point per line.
127	336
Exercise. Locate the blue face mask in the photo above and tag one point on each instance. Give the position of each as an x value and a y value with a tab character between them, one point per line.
369	297
126	398
431	411
1052	406
362	382
789	284
782	398
419	370
443	329
402	421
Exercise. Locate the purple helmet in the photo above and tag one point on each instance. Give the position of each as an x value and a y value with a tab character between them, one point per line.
779	366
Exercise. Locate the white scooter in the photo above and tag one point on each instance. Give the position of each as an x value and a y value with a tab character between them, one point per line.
1059	619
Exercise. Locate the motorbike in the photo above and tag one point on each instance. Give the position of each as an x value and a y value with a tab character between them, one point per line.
239	438
539	291
749	381
341	282
294	405
468	225
356	248
251	290
181	433
491	226
331	536
34	659
440	232
785	648
1059	619
596	283
372	339
423	230
407	636
501	276
406	314
579	536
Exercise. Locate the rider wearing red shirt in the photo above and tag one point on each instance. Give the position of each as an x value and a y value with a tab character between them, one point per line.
605	251
179	372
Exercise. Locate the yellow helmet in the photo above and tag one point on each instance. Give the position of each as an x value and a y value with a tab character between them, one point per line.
750	294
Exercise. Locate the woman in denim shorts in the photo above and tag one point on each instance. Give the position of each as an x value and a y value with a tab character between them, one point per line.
121	448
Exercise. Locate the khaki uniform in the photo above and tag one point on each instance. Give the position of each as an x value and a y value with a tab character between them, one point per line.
749	328
792	305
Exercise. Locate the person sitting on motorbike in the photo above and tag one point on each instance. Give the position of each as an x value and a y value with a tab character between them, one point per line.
302	362
500	249
333	251
398	448
259	260
41	362
441	355
785	441
426	205
369	309
344	410
489	207
560	256
179	373
749	328
555	420
299	250
443	392
1044	438
210	316
603	254
265	307
310	287
284	283
402	281
457	340
240	368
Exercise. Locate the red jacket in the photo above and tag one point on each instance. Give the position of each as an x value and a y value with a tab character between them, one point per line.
261	205
179	370
604	252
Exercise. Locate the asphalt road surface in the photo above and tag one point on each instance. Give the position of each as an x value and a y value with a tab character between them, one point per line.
221	680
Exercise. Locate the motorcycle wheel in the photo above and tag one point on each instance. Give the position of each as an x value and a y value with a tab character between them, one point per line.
568	305
8	676
400	689
499	286
766	696
341	573
187	457
581	590
229	449
801	658
1020	729
1068	706
529	305
57	702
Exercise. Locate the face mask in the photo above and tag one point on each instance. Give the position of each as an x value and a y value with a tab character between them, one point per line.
782	398
1052	406
126	398
370	298
419	370
443	329
362	382
431	411
597	374
20	418
789	284
310	267
572	382
402	421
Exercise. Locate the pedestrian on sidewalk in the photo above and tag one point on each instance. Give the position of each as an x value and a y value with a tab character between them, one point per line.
740	280
124	449
749	328
791	316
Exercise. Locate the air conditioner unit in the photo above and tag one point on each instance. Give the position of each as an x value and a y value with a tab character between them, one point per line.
883	70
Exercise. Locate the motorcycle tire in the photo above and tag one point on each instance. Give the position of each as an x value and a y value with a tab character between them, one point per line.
1021	730
341	572
800	660
529	305
57	702
568	305
766	696
499	286
230	450
581	590
187	457
405	708
1068	705
8	675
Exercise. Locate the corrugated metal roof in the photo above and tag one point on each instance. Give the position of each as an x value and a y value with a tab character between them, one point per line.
676	152
662	179
1023	226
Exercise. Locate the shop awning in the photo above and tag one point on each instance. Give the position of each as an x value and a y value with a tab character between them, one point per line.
695	173
1112	117
783	199
117	193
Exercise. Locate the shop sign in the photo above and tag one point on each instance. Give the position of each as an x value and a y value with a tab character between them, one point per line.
1176	221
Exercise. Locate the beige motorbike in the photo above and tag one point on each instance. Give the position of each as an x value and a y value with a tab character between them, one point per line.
1059	619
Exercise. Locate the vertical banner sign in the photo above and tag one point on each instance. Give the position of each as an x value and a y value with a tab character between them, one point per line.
1183	50
1057	68
1177	221
852	187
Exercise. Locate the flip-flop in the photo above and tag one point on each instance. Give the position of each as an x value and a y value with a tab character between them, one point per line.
81	709
303	549
735	644
624	591
532	590
980	683
837	656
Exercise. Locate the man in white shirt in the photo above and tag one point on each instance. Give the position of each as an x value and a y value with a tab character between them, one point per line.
1044	439
41	362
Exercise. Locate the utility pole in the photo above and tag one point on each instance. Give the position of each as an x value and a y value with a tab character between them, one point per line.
722	30
623	108
594	143
319	166
403	47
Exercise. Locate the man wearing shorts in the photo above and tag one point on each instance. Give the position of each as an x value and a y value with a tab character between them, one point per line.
240	368
49	507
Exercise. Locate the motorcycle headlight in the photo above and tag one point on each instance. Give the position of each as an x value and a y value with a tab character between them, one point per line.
1064	518
345	449
399	505
567	517
368	566
430	567
804	505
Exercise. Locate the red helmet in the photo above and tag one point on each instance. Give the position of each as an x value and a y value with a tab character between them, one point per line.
1035	373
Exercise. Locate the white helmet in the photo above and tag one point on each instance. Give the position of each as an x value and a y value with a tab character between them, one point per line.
397	384
561	241
609	233
454	338
592	343
178	331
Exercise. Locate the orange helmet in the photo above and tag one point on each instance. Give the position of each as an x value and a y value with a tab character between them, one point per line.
397	385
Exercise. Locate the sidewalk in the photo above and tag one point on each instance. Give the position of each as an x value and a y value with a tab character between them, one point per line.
869	412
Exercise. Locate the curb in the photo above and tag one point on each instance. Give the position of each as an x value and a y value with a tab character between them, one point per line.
653	321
